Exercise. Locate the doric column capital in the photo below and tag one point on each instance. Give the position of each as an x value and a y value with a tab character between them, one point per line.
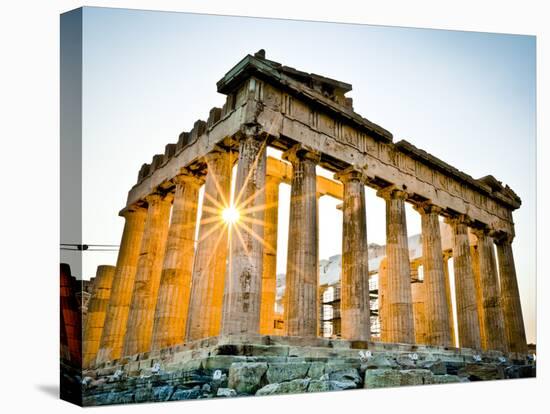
501	237
352	173
189	177
459	219
300	152
246	133
427	207
392	192
216	153
132	209
481	232
158	196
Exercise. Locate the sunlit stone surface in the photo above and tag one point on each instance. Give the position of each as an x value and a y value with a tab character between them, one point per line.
192	316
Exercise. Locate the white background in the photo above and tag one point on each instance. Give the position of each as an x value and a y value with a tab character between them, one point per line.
29	87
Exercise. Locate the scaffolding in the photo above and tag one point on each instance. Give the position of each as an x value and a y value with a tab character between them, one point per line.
329	309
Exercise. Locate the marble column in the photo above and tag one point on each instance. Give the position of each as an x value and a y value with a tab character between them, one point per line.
436	304
354	305
489	306
302	276
97	311
205	305
383	298
399	321
175	281
448	294
139	332
467	315
479	297
509	293
112	338
243	285
419	297
269	274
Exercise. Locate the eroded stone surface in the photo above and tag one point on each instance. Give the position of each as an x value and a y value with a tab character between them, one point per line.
245	377
226	392
202	372
286	371
381	378
318	386
482	372
289	387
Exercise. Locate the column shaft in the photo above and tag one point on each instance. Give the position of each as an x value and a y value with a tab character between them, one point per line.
437	324
448	293
355	308
205	305
383	299
112	338
144	297
302	276
243	287
477	284
175	282
490	312
468	323
399	321
511	304
269	274
419	299
97	311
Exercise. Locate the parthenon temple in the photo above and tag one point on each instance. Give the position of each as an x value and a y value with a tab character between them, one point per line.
189	272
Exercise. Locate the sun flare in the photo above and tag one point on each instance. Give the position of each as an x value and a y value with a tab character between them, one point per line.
230	215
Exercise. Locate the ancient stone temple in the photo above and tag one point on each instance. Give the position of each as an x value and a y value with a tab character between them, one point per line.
196	314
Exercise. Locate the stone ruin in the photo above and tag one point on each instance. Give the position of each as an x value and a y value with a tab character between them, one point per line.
179	318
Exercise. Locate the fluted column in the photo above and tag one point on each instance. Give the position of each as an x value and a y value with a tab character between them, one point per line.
448	294
419	293
175	281
112	338
269	273
97	311
383	298
243	286
509	293
399	321
319	332
302	277
437	324
139	332
205	305
490	311
467	315
354	304
477	285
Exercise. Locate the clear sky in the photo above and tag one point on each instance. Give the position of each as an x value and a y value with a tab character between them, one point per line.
467	98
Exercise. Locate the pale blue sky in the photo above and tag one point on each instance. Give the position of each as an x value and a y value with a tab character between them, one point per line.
467	98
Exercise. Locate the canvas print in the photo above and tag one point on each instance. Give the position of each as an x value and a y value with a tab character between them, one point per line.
253	207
